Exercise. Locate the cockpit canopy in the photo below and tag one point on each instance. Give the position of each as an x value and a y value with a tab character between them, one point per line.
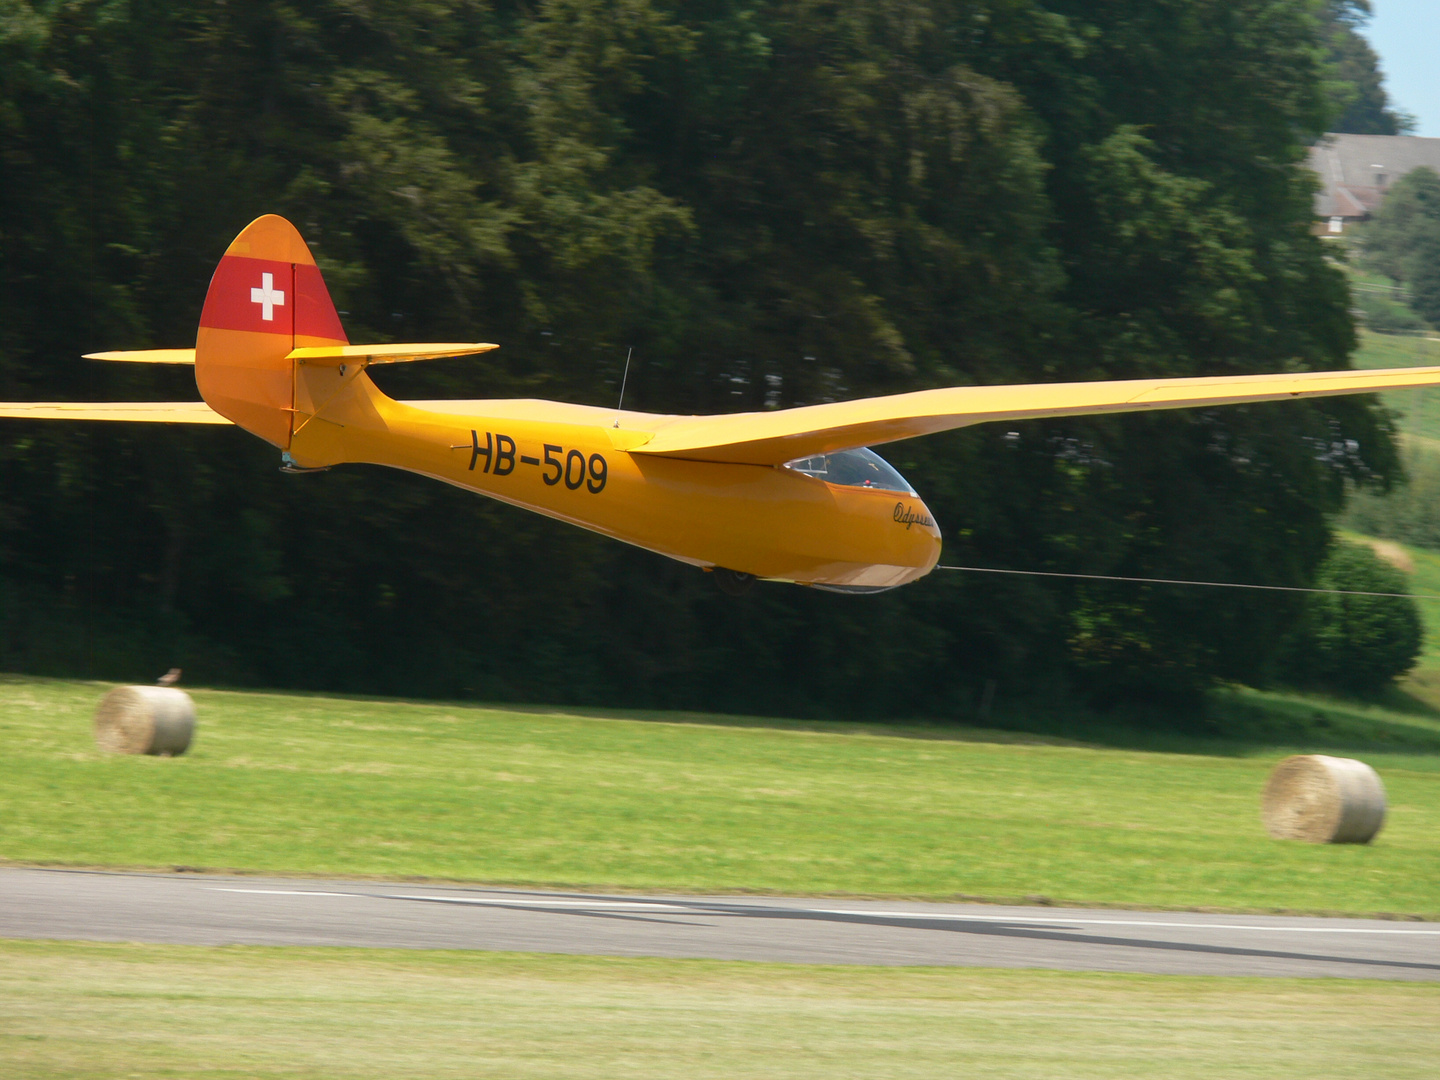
853	468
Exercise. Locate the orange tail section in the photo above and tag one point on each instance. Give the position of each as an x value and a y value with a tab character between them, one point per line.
267	299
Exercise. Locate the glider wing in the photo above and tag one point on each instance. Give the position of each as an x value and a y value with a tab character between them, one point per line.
773	438
150	412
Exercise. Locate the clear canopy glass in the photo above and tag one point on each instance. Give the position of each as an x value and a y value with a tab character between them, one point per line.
853	468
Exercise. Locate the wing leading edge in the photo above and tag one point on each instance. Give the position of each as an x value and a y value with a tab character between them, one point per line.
772	438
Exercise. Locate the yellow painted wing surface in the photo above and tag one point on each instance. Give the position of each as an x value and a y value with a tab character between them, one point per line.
146	356
772	438
327	354
150	412
332	355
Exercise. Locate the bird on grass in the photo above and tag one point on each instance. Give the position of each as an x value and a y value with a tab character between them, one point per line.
170	678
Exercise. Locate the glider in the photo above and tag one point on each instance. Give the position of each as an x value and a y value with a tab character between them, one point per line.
790	495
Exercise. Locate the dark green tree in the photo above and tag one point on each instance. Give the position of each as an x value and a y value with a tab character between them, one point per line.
1182	218
1404	224
1359	644
1423	273
1403	240
775	202
1353	81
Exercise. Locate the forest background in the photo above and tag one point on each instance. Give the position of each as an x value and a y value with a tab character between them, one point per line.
773	204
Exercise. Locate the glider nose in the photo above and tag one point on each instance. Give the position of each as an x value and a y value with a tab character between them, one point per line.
893	542
922	535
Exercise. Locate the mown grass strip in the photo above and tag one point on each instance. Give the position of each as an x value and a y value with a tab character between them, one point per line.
1419	410
313	785
98	1010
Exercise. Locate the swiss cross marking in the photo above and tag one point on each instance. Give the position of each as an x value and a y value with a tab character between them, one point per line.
268	297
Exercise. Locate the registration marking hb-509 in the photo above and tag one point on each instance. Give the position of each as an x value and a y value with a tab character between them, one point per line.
560	465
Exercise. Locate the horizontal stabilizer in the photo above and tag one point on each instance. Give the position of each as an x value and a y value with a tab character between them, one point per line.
334	355
331	355
147	356
149	412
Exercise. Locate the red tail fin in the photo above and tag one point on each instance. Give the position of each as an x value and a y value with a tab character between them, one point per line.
266	299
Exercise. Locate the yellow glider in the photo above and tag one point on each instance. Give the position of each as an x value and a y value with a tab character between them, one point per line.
790	495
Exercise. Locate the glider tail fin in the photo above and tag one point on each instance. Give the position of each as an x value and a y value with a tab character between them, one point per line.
267	299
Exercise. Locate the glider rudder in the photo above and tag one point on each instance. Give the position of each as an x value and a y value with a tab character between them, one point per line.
267	299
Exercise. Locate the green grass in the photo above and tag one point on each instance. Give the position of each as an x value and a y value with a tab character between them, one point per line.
300	784
1419	410
92	1010
1363	278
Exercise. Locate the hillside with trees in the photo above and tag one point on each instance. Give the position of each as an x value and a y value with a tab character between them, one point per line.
775	204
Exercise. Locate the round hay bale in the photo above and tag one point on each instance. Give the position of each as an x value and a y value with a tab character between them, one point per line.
1325	800
145	720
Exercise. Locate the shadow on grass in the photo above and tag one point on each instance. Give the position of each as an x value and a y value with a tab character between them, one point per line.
1237	722
1226	723
1395	721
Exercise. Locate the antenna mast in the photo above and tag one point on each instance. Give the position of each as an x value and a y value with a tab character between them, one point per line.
621	407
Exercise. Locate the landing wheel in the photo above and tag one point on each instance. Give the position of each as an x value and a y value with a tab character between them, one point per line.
732	582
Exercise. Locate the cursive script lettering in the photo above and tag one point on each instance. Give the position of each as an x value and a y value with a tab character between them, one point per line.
904	515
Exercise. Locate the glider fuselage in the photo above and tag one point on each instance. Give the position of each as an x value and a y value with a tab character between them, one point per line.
572	463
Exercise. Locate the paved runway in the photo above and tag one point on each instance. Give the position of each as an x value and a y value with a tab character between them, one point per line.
211	910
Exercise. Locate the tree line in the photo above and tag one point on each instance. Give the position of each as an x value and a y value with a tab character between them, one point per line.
773	203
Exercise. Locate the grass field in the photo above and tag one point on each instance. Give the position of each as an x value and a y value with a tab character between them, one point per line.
1419	409
319	785
1423	683
92	1010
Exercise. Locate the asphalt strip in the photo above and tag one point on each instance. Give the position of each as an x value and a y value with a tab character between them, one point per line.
193	909
874	913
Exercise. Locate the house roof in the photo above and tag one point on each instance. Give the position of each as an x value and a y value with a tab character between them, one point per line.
1356	170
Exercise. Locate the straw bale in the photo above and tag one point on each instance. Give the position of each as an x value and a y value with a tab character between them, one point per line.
1325	800
145	720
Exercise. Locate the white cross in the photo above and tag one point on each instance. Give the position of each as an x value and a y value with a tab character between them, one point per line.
268	297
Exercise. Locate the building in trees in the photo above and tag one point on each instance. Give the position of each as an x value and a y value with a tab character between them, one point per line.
1357	171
